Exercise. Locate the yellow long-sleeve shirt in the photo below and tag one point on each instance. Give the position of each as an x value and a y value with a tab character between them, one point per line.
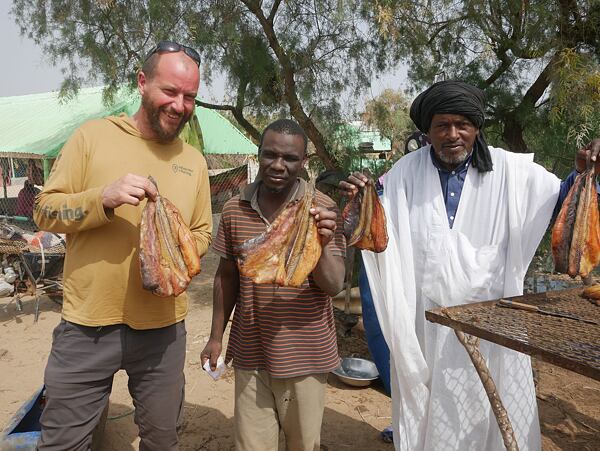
102	281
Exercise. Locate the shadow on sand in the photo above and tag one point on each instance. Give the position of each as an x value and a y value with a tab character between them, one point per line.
201	428
9	311
559	413
207	429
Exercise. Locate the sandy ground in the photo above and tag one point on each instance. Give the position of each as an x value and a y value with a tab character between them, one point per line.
569	404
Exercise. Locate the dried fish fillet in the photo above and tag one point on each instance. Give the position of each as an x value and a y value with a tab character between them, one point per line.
288	251
168	254
562	232
364	221
576	232
592	292
590	230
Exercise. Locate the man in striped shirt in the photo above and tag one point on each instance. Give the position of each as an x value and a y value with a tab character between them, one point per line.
282	340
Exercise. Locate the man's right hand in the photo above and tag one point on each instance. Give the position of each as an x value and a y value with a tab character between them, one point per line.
351	185
211	351
129	189
590	152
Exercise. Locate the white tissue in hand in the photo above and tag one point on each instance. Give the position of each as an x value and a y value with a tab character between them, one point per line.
221	367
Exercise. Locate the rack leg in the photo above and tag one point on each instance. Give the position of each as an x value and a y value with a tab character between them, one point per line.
471	344
34	282
37	306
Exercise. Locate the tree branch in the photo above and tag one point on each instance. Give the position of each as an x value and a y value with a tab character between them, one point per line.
273	12
539	86
290	86
445	25
212	106
505	63
238	114
512	132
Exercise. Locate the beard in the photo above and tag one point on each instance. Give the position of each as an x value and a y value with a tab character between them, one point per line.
155	124
277	189
273	190
456	159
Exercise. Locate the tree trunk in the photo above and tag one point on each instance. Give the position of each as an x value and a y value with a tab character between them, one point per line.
287	71
513	121
512	134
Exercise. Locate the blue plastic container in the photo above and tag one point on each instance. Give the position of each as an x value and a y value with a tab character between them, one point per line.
23	429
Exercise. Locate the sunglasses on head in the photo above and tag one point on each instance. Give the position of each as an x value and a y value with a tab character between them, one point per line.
170	46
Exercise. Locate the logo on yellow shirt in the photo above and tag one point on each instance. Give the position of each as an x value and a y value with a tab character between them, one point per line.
64	214
181	169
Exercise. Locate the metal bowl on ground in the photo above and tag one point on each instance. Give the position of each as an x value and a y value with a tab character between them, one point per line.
356	371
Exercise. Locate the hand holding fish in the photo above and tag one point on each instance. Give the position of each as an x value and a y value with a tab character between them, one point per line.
353	183
129	189
589	153
325	221
364	216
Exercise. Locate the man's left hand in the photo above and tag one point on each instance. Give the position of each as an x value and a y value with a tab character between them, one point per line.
326	224
591	151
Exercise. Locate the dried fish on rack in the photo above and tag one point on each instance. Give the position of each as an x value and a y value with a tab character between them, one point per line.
592	293
576	232
288	251
364	221
168	253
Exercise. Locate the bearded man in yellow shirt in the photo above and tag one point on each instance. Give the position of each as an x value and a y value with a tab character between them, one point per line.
95	195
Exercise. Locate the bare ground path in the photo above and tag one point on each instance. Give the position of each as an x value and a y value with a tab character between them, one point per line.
569	404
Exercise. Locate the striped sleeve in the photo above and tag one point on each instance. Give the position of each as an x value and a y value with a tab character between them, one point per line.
222	245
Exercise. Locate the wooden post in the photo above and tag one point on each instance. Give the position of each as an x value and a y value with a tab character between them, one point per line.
4	182
471	344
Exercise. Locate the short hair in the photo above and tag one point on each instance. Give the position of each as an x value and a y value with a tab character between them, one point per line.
149	65
285	127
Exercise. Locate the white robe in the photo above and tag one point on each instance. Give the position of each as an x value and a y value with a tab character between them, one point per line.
438	401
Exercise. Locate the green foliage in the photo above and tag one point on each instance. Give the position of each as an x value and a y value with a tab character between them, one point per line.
389	114
575	96
101	41
343	139
537	62
288	57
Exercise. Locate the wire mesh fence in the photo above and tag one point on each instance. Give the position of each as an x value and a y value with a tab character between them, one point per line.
228	175
23	246
22	180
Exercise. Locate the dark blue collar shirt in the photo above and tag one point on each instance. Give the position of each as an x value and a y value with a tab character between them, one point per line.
453	181
452	184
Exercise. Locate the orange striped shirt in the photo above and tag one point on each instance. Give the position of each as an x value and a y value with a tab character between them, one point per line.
284	330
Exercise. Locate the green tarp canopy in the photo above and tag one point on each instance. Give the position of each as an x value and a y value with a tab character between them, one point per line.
37	125
220	136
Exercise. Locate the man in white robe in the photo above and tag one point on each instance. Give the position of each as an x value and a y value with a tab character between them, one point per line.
443	252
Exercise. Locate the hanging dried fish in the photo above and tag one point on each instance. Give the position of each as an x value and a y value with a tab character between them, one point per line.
562	232
288	251
168	254
585	246
364	221
576	232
